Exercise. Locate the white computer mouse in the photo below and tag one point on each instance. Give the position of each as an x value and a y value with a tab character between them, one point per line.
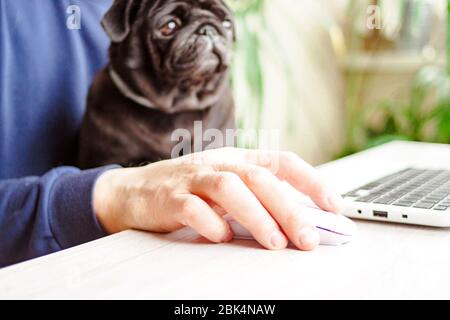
333	229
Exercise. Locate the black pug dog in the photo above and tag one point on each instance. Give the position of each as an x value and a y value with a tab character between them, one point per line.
168	68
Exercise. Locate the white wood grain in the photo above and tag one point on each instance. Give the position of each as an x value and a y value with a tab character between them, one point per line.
385	260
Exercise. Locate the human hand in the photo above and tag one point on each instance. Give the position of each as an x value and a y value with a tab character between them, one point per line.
197	190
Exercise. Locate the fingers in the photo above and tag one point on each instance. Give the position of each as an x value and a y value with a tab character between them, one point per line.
286	166
302	176
270	192
307	179
229	192
197	214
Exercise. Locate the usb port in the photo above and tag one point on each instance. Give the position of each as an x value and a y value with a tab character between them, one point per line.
380	214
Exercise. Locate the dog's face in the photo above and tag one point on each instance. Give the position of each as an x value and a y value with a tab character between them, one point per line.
175	52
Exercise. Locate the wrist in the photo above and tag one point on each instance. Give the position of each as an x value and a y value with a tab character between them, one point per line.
106	201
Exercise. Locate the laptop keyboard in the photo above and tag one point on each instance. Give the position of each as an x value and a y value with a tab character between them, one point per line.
416	188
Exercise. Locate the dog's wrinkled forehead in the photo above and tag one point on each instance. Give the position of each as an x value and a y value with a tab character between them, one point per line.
118	20
216	7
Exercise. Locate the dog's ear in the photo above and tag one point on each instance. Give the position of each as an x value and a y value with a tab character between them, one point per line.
117	21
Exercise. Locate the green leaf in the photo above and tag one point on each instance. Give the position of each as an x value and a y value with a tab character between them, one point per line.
385	139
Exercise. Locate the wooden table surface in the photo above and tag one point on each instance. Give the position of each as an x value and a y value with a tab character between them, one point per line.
384	261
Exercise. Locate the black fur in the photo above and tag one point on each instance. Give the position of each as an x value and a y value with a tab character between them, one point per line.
184	75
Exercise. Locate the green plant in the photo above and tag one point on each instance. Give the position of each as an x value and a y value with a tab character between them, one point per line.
249	20
424	117
255	37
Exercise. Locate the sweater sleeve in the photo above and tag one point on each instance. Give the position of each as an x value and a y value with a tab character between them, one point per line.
41	215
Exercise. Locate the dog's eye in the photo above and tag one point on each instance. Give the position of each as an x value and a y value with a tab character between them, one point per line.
170	27
227	24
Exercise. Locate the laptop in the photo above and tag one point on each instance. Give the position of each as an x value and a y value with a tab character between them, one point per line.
412	195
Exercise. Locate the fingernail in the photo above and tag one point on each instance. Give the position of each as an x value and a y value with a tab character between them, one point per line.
229	236
336	202
278	240
308	236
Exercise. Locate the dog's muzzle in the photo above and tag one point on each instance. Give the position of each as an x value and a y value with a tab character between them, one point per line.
208	30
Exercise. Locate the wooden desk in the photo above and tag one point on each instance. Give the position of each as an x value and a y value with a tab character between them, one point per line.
385	261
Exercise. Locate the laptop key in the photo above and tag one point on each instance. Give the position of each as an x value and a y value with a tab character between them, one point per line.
424	205
384	200
432	199
438	194
368	198
412	199
358	193
403	204
424	189
431	204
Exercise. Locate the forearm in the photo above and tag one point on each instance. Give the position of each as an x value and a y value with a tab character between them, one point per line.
40	215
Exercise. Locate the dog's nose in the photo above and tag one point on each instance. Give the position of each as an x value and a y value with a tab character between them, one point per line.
208	30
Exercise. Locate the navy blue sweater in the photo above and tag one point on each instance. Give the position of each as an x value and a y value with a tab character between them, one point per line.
45	72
